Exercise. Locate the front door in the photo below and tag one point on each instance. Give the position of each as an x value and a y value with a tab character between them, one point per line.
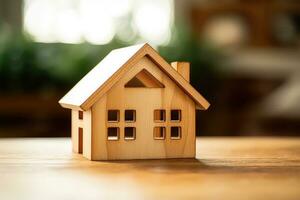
80	140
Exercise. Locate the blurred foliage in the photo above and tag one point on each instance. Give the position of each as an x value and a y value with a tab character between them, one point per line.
18	63
27	66
207	61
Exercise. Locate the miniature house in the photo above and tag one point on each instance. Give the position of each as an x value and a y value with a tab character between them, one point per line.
134	105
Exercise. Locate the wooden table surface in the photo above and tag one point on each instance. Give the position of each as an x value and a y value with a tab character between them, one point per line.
225	168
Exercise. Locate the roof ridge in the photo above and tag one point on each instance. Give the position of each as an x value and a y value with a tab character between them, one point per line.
98	81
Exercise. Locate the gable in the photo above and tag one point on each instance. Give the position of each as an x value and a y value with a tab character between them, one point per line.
121	97
113	67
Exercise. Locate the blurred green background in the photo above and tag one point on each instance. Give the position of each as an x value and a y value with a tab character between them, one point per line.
244	55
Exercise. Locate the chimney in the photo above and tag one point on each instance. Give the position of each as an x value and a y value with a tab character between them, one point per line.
183	68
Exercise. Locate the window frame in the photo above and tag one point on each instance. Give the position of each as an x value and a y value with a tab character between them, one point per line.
118	115
164	132
179	133
179	115
164	116
134	116
134	133
118	134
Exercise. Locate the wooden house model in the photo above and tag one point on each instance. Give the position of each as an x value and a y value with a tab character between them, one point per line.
134	105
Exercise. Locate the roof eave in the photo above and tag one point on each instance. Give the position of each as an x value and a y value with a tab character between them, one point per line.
202	107
145	50
70	106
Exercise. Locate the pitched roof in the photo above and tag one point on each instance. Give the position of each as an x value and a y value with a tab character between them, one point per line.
106	73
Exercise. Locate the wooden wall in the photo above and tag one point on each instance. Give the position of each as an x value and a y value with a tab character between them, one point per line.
85	124
144	101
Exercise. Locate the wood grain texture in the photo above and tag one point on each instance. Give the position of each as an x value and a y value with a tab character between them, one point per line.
144	101
148	80
183	68
86	125
225	168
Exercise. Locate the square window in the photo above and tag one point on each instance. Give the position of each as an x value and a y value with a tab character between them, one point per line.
130	115
175	115
113	133
129	133
159	133
159	115
175	132
113	115
80	115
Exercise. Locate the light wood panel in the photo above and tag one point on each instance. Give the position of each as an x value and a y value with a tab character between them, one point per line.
86	125
148	80
225	168
144	101
105	86
183	68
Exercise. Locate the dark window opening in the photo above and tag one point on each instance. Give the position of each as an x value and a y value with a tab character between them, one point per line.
159	115
159	133
129	133
175	132
113	133
80	115
130	115
113	115
175	115
144	79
